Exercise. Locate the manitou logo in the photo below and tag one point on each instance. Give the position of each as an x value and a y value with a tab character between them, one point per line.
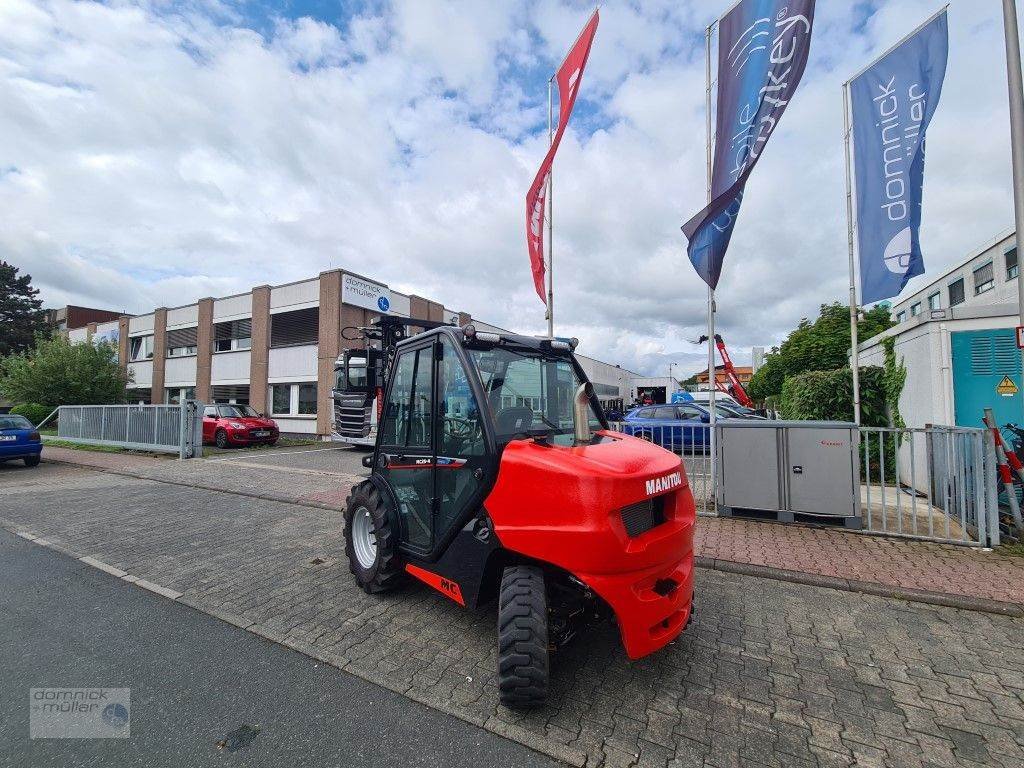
666	483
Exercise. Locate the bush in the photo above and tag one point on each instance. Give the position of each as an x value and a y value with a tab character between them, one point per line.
59	372
34	412
828	396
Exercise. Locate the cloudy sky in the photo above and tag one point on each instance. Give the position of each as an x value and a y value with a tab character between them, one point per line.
154	153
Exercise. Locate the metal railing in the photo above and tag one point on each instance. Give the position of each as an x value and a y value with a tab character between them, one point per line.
936	483
692	442
158	428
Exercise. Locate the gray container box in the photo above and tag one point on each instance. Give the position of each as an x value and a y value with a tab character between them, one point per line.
789	468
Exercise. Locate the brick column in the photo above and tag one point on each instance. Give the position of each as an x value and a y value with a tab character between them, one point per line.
159	354
435	311
204	350
465	319
419	309
90	331
123	348
328	348
259	357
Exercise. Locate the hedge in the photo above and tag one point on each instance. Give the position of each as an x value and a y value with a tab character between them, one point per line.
34	412
828	396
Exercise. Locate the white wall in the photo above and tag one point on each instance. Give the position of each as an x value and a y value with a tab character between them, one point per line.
180	372
305	426
295	296
140	325
230	368
113	325
232	308
183	317
293	364
400	304
78	335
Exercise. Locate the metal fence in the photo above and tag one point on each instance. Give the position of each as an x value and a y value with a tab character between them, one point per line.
159	428
936	483
692	442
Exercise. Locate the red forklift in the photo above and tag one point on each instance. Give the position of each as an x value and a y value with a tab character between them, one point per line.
495	476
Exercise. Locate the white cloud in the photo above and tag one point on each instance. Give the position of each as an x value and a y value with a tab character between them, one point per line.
152	154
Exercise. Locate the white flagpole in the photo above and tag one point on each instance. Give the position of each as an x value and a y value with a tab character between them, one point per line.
1013	82
551	235
855	356
711	291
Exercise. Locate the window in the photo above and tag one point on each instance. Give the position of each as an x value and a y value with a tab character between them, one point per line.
301	326
181	342
915	309
177	395
408	409
691	413
139	396
236	412
665	413
293	399
935	301
140	348
460	429
238	393
983	281
281	398
307	399
232	335
1011	263
210	412
956	292
901	317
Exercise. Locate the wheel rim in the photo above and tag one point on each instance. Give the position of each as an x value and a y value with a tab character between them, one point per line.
364	538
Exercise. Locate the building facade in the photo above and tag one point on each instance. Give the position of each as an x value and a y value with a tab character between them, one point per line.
275	347
988	277
64	319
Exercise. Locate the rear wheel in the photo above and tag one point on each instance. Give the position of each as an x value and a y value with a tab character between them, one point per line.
522	638
371	541
221	438
31	461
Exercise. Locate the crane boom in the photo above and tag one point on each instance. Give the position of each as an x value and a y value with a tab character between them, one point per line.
730	371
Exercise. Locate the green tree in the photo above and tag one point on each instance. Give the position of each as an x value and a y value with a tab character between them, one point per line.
822	345
56	373
21	315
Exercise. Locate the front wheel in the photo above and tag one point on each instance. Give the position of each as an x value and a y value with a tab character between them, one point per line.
221	438
371	540
522	638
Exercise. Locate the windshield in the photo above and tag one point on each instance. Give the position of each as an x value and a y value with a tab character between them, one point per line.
528	391
14	422
237	411
355	370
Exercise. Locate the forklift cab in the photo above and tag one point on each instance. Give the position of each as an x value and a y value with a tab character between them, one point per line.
453	403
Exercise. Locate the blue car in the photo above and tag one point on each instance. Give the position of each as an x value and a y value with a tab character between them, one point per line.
676	427
19	440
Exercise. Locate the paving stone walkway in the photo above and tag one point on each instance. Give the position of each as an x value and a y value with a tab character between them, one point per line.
769	674
324	477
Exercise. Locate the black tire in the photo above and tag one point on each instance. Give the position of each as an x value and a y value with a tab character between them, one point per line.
386	572
31	461
522	638
221	438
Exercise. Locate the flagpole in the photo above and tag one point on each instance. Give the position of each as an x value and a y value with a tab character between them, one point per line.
551	235
711	291
855	354
1013	82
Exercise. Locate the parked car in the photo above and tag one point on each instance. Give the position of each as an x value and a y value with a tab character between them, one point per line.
737	411
19	440
677	427
225	425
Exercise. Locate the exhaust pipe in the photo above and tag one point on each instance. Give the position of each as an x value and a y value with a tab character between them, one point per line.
581	413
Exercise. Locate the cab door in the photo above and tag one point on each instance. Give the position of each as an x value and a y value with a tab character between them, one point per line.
405	453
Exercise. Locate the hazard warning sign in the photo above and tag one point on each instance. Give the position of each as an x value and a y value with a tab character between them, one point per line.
1006	387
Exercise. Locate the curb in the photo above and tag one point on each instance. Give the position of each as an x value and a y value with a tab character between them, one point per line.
943	599
491	723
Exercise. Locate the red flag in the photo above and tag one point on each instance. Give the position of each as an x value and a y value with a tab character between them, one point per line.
568	77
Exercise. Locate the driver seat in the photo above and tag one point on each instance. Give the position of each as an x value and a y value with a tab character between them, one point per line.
510	421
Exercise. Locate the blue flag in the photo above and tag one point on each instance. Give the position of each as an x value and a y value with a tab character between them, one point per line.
762	52
893	102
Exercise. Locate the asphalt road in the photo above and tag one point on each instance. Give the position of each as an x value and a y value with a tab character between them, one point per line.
194	680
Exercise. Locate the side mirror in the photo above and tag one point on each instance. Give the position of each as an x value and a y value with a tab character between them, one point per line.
368	460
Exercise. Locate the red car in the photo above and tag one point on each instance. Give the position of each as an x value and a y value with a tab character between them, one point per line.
227	425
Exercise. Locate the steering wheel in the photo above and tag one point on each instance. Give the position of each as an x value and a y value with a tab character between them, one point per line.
460	427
